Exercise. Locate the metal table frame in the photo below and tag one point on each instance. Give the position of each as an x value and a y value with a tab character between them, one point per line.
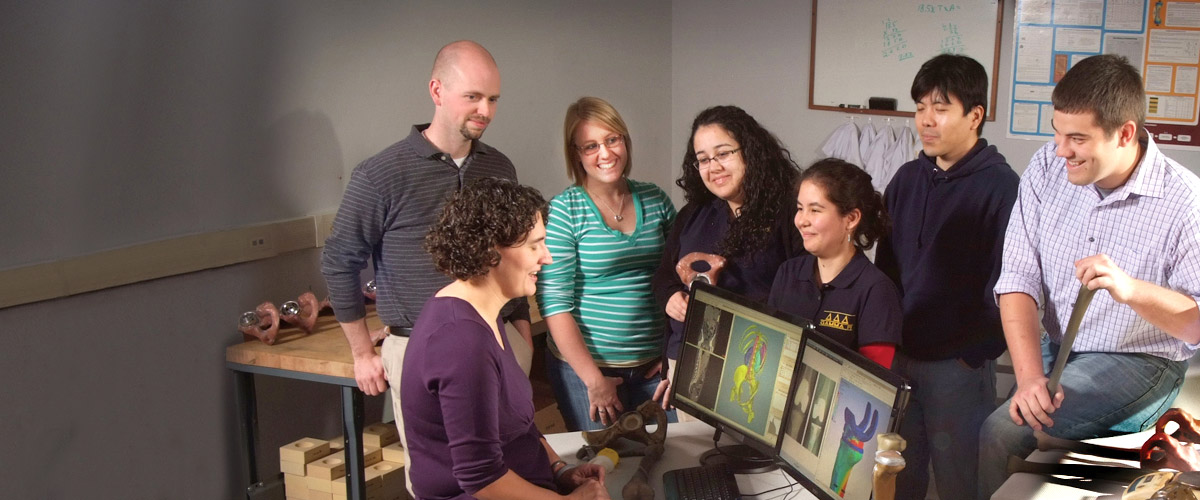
352	420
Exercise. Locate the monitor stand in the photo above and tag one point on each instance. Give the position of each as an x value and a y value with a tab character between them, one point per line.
741	458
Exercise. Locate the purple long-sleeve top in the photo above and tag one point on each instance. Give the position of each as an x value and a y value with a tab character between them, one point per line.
467	405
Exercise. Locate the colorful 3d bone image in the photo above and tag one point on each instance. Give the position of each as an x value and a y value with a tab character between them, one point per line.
752	353
850	452
745	377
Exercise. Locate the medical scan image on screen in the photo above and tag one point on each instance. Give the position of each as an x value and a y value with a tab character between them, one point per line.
737	365
833	421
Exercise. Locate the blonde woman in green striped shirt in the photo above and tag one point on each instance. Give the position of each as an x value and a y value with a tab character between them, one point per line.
606	234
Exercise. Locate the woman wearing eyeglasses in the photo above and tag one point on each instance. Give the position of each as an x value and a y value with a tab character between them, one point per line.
737	180
606	234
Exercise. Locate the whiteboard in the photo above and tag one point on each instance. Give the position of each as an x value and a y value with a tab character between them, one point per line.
873	48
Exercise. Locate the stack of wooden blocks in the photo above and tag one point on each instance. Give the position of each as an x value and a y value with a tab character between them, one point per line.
315	469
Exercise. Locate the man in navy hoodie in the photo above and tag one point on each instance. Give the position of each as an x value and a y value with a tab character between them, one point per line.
949	209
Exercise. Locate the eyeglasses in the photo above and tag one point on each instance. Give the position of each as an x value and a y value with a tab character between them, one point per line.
723	158
592	148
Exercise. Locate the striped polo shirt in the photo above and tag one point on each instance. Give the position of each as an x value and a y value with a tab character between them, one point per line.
391	201
602	276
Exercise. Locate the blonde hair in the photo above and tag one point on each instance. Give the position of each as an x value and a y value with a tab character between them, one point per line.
597	110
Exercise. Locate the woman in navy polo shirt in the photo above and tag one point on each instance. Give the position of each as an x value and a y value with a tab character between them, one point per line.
839	215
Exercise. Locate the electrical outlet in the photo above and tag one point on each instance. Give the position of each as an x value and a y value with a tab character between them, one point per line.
258	242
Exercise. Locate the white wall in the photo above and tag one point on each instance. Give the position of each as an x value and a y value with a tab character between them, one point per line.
129	121
756	55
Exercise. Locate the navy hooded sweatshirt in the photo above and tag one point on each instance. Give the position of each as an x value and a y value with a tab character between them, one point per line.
944	253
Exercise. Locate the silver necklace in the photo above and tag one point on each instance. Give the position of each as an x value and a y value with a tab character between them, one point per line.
616	213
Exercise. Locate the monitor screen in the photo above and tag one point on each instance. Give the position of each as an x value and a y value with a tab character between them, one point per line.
736	365
842	401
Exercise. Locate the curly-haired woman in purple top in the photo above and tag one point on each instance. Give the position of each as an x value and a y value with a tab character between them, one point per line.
467	405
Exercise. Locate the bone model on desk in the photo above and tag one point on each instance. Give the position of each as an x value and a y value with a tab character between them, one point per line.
264	321
632	425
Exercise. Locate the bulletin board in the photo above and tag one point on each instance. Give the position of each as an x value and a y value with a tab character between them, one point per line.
866	49
1161	38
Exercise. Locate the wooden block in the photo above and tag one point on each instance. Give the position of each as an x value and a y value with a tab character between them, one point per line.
337	443
316	484
549	421
380	434
394	453
295	486
373	476
372	455
304	450
329	467
339	488
292	468
319	495
392	474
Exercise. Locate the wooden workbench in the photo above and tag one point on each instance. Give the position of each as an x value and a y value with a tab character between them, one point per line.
324	351
322	356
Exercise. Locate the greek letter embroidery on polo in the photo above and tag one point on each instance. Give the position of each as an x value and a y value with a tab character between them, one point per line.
839	321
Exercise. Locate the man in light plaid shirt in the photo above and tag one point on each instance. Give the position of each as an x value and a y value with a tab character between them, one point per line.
1102	206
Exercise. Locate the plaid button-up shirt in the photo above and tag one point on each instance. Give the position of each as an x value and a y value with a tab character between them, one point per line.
1150	227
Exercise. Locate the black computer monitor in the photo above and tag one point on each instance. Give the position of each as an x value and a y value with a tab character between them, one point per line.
840	403
734	372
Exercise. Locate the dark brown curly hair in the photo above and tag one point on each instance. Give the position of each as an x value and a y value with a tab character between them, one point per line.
487	214
770	176
848	188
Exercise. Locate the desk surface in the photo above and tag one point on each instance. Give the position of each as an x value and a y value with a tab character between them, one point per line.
685	443
322	352
1037	487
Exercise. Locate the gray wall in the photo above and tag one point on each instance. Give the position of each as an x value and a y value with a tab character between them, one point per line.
131	121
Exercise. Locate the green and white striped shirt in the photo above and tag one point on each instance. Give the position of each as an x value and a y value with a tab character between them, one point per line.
602	276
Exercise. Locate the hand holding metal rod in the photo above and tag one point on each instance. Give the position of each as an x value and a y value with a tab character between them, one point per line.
1081	304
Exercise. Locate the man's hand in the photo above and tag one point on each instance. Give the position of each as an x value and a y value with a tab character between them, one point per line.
1099	271
677	306
368	372
1031	404
605	405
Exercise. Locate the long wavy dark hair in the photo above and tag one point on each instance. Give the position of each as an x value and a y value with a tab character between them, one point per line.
768	183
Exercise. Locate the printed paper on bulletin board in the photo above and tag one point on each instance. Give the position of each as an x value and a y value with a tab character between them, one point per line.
1159	37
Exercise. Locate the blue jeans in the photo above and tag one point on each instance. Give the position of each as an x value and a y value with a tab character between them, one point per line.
572	396
949	402
1106	394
